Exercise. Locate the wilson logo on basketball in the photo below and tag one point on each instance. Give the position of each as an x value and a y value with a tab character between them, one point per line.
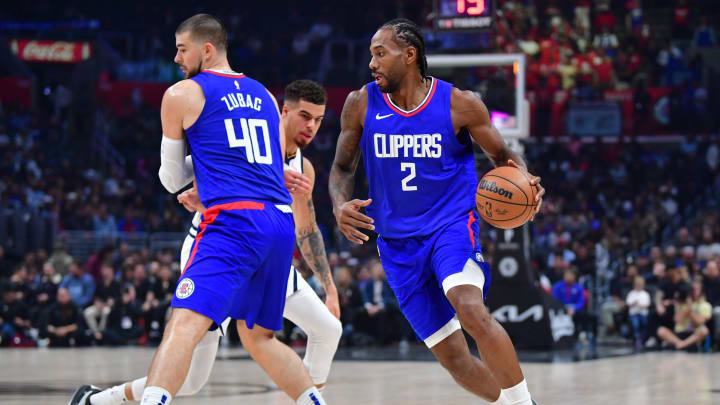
492	187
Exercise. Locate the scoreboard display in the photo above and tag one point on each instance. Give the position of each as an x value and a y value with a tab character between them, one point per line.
463	15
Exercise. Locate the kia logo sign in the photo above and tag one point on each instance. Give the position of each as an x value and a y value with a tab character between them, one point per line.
511	313
51	51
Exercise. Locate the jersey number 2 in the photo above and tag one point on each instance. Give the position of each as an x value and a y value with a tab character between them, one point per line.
249	139
411	167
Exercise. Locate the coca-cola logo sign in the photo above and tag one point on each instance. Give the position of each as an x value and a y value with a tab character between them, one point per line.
31	50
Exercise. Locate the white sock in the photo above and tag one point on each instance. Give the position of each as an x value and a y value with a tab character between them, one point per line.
137	387
311	396
518	395
110	396
155	396
501	400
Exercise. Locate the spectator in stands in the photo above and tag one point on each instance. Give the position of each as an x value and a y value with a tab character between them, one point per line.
130	222
160	295
44	290
80	285
704	35
638	301
142	284
123	322
605	19
60	259
606	41
21	281
692	312
605	78
712	282
614	311
95	261
14	316
664	300
582	14
572	295
63	327
681	19
106	293
381	308
351	301
104	223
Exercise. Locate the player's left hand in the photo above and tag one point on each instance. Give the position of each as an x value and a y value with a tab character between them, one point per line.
297	183
534	181
191	200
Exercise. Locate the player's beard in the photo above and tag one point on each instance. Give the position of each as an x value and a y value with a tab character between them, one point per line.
390	85
194	72
301	142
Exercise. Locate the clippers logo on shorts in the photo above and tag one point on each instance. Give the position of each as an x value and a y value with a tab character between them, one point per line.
185	288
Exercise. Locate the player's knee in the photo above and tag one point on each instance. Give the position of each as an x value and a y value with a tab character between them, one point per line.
332	330
703	331
188	324
472	313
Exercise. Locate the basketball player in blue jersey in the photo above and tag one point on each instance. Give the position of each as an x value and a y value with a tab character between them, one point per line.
239	263
414	134
302	113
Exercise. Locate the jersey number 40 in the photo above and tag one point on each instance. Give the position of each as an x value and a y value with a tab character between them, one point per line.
249	139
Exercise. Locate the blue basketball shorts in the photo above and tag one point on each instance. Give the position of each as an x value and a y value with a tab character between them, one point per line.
416	268
239	264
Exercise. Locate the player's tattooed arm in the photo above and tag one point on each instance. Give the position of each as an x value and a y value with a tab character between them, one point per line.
342	174
468	111
347	152
310	241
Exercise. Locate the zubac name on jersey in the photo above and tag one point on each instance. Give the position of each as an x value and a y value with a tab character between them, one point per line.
235	142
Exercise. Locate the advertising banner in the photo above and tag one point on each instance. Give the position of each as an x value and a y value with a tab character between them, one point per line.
31	50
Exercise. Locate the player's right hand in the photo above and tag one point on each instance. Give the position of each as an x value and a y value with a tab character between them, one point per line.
191	200
297	183
332	302
349	219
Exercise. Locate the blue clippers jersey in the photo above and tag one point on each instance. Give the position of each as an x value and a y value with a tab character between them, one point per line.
235	142
421	176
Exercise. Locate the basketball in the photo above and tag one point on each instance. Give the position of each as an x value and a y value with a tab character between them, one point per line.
504	198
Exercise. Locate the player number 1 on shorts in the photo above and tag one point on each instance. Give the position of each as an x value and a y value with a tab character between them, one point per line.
408	166
249	139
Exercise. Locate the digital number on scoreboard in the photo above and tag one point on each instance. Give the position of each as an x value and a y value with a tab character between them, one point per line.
463	15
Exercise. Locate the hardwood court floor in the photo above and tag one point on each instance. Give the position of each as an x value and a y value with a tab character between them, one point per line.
42	376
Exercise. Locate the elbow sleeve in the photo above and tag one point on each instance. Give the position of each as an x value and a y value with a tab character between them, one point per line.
176	169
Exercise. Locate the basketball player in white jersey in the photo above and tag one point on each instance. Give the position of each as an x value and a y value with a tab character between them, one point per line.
302	114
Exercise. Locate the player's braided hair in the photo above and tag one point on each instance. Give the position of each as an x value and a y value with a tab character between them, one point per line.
409	33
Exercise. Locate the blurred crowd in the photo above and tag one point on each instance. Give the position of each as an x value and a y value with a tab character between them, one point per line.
628	238
621	219
628	218
115	297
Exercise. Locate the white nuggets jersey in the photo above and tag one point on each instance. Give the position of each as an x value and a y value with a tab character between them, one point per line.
295	163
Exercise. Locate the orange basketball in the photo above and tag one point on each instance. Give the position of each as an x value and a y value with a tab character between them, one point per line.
505	198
